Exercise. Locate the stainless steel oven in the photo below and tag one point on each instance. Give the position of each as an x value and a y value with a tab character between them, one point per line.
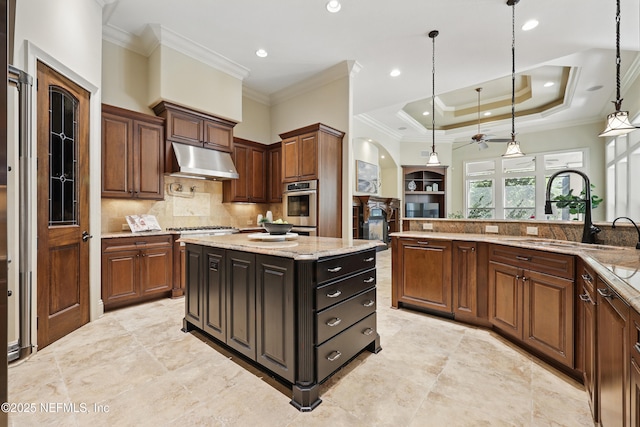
300	203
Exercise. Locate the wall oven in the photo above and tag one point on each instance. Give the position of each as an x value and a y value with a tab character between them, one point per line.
299	203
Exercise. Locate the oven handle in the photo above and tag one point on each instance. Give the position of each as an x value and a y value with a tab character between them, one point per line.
300	193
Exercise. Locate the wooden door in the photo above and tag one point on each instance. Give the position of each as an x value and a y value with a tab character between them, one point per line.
505	298
308	156
117	152
274	173
156	269
290	159
258	179
426	274
119	276
148	160
63	206
548	315
241	302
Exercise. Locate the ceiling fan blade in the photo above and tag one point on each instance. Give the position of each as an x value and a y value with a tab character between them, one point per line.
498	140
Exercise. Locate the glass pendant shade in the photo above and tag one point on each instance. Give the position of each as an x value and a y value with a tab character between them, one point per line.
618	124
513	150
433	159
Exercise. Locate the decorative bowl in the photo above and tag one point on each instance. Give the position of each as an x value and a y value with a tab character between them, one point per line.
277	228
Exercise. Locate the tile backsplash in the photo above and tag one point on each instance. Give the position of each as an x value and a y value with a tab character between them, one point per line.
187	202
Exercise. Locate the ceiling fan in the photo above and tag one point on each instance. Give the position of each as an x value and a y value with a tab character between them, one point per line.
480	138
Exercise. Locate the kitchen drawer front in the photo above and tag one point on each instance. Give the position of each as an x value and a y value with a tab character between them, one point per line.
332	268
340	290
334	353
111	244
339	317
555	264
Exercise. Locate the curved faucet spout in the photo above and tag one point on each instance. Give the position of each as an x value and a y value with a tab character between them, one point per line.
634	224
589	232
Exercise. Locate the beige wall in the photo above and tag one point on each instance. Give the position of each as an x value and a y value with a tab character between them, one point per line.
125	78
256	122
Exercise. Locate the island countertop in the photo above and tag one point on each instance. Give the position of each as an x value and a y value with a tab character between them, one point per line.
299	248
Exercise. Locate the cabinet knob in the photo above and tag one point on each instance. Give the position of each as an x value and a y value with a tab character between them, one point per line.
368	331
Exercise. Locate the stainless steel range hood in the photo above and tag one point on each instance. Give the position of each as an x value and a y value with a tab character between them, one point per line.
202	163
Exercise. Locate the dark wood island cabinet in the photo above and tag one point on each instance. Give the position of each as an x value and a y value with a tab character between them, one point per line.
299	311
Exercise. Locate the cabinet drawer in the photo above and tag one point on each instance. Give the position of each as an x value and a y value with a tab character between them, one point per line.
331	268
342	289
555	264
141	242
334	353
339	317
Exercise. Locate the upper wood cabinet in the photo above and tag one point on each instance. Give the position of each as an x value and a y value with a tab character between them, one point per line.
274	172
192	127
132	154
250	159
312	152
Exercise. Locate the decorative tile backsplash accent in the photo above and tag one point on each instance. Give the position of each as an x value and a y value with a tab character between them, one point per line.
186	208
623	235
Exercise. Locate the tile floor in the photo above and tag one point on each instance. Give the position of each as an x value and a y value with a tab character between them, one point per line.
134	367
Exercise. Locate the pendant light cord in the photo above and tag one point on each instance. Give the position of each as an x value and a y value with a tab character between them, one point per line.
433	34
513	71
618	101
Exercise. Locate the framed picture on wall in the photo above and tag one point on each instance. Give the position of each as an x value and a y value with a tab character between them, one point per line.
367	175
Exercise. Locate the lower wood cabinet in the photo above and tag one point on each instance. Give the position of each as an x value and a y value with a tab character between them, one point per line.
586	316
465	280
531	306
612	357
135	269
422	274
634	368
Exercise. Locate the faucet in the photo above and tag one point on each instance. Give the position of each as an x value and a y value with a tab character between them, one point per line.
589	232
634	224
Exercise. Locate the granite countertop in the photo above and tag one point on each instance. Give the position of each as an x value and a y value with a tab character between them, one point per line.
618	266
299	248
116	234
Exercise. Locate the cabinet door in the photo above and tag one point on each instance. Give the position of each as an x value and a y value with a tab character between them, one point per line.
156	270
215	294
184	128
275	315
240	187
426	274
194	275
274	173
634	348
587	347
308	156
465	286
613	357
148	160
290	159
505	298
119	276
241	303
548	315
258	175
218	136
117	153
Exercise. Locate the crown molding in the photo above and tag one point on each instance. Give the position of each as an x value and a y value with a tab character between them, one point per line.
370	121
124	39
256	96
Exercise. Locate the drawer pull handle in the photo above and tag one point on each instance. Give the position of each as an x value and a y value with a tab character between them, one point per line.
605	293
423	243
368	303
334	356
334	322
586	278
585	298
369	280
523	258
213	265
334	270
334	294
369	259
367	331
636	346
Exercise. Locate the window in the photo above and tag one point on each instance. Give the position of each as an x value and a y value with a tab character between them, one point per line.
623	157
522	183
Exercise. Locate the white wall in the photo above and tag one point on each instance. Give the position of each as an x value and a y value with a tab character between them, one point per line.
67	36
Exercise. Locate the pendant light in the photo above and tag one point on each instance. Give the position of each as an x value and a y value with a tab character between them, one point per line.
618	121
433	157
513	146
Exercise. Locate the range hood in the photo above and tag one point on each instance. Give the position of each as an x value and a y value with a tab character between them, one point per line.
202	163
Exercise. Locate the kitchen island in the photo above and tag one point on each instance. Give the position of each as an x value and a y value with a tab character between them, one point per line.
299	309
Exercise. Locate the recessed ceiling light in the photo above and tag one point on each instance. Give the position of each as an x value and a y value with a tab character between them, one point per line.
333	6
487	113
394	73
530	25
261	53
549	84
426	113
382	156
